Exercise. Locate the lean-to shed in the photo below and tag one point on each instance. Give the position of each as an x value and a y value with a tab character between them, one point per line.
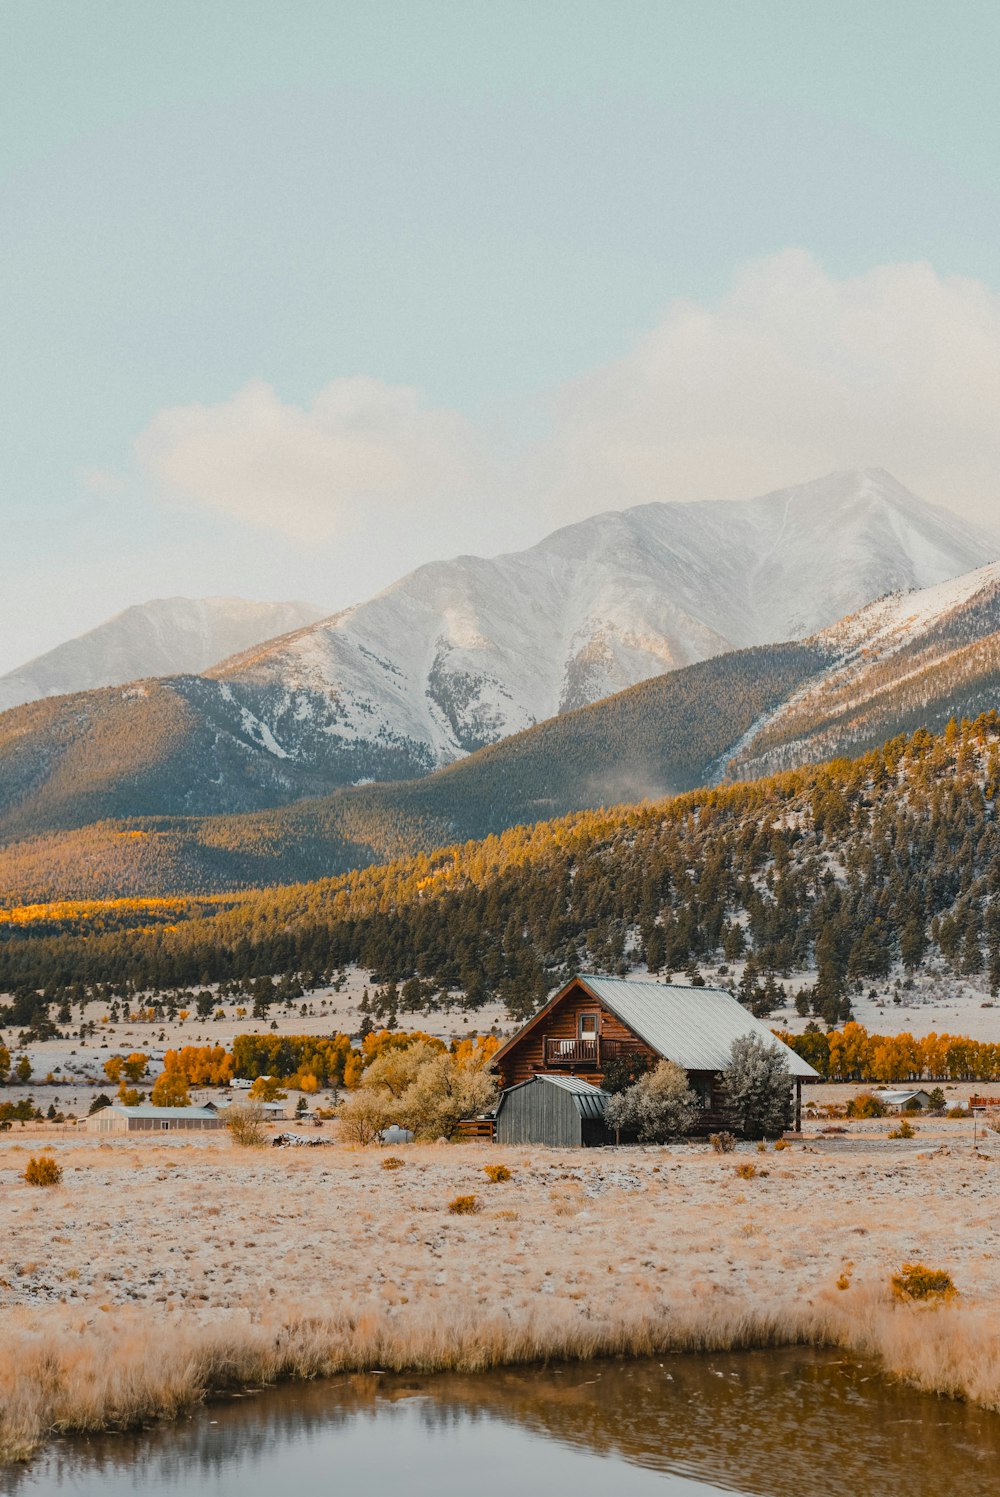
558	1110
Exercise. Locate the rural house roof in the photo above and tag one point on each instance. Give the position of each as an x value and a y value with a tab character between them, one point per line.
695	1027
171	1114
590	1100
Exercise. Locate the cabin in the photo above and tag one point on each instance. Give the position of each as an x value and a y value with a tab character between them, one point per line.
596	1023
148	1119
557	1110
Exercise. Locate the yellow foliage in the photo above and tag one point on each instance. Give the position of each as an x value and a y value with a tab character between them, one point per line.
915	1281
170	1090
42	1170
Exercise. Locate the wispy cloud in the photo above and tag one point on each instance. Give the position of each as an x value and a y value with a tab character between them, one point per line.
791	374
308	470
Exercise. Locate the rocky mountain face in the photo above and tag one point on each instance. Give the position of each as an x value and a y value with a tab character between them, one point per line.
462	653
475	678
167	637
909	660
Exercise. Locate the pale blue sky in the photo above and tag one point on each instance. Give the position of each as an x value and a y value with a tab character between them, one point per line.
484	202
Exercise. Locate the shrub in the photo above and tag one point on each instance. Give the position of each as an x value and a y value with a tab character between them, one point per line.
660	1105
363	1117
497	1173
245	1122
915	1281
464	1206
782	1143
722	1143
905	1130
42	1170
746	1170
390	1162
957	1112
865	1105
757	1085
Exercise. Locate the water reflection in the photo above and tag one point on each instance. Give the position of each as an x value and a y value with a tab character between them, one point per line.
771	1425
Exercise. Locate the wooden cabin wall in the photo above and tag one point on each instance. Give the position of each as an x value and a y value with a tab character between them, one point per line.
528	1057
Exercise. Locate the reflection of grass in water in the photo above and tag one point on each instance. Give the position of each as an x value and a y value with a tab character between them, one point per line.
777	1423
130	1371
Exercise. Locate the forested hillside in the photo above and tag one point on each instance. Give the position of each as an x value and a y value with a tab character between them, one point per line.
657	738
848	871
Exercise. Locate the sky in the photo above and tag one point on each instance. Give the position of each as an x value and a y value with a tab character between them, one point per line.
297	294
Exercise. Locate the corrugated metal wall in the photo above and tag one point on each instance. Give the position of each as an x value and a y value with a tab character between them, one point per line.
540	1114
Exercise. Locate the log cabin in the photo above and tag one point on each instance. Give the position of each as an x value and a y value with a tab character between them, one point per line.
595	1022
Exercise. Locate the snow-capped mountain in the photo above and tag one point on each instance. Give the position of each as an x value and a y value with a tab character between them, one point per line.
910	659
462	653
166	637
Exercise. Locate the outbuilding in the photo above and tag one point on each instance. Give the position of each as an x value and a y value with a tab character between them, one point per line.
904	1100
148	1119
558	1110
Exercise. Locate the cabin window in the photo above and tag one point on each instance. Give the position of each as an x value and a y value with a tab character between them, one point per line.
588	1026
164	1127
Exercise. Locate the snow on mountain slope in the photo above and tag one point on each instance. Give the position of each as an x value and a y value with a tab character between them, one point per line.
462	653
168	636
908	659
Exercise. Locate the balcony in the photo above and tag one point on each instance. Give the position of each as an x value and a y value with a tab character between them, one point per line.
584	1055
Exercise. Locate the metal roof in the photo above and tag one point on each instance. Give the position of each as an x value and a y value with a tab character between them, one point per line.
144	1110
590	1100
695	1027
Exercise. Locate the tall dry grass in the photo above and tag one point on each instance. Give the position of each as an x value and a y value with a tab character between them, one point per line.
134	1370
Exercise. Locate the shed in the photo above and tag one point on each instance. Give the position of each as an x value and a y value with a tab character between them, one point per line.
148	1119
904	1099
558	1110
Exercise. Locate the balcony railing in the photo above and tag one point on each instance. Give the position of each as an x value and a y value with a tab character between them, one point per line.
586	1054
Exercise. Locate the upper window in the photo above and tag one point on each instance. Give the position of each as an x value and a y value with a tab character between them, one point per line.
588	1026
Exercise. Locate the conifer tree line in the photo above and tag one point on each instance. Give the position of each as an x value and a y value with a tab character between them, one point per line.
853	870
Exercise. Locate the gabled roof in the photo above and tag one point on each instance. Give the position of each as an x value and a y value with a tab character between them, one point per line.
695	1027
590	1100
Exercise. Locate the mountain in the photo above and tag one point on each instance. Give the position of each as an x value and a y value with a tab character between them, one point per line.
854	875
165	784
910	660
462	653
655	739
167	637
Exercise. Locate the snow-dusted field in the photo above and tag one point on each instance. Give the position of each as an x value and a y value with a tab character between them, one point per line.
152	1261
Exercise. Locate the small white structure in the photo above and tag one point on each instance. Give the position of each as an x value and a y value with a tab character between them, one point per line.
901	1100
240	1084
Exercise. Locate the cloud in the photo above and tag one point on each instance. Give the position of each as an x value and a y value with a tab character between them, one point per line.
790	375
312	472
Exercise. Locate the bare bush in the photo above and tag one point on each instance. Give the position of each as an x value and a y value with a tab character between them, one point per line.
245	1122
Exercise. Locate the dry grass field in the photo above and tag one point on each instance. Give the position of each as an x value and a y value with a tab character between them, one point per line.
157	1272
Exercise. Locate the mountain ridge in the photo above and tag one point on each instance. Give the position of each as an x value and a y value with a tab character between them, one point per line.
163	637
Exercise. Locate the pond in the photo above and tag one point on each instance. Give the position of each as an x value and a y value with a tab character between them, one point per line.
786	1424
